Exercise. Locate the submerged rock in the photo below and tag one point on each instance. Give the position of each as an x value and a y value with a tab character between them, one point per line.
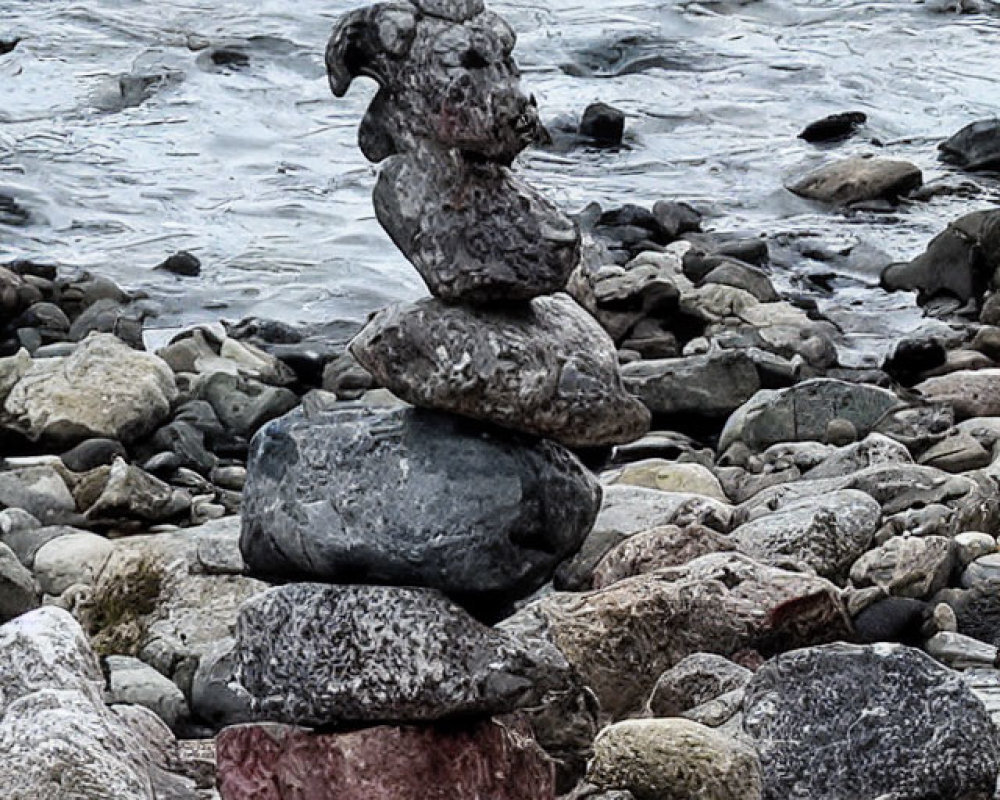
545	369
409	497
846	721
315	655
477	760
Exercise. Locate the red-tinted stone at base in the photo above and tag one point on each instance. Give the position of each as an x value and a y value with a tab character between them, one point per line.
474	761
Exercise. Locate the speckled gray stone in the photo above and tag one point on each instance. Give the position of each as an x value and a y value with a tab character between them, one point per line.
409	497
848	722
826	533
546	369
697	679
312	654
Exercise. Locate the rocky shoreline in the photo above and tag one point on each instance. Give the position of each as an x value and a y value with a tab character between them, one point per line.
788	588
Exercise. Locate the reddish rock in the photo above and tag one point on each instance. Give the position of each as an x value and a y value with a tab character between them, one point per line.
480	761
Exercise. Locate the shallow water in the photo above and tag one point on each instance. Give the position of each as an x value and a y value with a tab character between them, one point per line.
128	135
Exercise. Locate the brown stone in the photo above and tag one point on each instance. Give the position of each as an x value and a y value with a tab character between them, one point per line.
478	761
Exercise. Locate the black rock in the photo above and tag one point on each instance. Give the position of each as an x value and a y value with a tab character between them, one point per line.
181	263
188	443
260	331
912	357
894	619
93	453
834	127
8	45
409	497
845	721
976	147
676	218
977	610
603	123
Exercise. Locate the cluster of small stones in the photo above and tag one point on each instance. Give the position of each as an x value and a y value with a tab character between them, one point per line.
503	373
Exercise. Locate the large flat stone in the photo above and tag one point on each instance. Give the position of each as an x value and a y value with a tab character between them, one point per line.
415	498
546	368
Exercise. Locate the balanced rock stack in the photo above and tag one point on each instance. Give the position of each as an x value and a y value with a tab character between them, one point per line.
400	532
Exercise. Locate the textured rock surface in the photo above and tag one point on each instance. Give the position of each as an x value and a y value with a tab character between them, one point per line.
668	476
622	638
452	84
467	762
695	680
75	558
58	739
409	497
311	654
674	758
628	510
509	243
803	412
704	386
104	389
18	589
855	180
845	721
826	533
547	369
916	566
133	682
971	393
667	546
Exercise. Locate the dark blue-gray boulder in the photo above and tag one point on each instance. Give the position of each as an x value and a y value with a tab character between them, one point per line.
408	497
851	722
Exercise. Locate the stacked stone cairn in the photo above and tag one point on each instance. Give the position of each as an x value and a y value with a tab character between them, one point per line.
399	532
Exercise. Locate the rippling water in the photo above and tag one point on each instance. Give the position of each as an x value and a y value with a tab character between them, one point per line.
132	129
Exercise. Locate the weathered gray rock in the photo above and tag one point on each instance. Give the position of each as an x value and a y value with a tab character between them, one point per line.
845	721
907	566
858	179
971	394
510	244
977	610
60	741
971	545
960	262
959	452
132	682
409	497
105	389
132	493
674	758
545	369
216	696
242	403
872	451
959	651
479	759
311	654
983	569
803	412
710	386
40	491
976	147
447	79
628	510
826	533
74	558
27	541
648	551
622	638
695	680
18	590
